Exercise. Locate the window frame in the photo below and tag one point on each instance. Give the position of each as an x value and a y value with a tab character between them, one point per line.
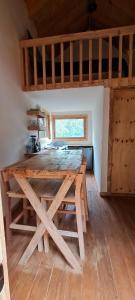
63	117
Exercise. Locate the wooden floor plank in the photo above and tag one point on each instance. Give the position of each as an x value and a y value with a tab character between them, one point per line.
56	290
115	247
73	288
41	284
90	277
106	280
24	280
128	248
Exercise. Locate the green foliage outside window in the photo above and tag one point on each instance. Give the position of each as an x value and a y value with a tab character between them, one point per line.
69	128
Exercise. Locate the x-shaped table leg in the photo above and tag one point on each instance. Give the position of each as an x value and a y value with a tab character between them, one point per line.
46	220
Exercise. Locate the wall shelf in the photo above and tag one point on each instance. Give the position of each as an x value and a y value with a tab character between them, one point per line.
37	113
41	122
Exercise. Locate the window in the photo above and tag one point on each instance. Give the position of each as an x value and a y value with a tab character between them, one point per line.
69	127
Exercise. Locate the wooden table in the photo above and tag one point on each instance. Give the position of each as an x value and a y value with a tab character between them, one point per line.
63	164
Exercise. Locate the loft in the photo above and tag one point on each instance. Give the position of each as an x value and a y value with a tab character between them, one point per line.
101	57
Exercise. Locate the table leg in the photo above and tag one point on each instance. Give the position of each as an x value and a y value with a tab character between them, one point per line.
46	218
46	236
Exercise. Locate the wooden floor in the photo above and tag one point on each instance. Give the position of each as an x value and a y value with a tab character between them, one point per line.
109	269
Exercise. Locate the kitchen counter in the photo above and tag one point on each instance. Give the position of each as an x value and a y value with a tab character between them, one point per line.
87	152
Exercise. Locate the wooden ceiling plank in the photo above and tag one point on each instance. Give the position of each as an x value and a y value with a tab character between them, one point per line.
60	16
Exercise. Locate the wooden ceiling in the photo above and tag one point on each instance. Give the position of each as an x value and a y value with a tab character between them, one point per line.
53	17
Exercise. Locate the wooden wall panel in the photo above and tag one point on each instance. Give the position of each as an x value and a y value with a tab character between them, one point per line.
122	142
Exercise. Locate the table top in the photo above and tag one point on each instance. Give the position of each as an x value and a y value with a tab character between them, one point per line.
52	161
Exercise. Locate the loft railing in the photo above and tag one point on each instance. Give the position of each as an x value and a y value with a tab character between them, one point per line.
103	57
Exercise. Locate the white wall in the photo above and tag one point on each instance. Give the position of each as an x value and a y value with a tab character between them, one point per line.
100	139
97	137
105	138
13	102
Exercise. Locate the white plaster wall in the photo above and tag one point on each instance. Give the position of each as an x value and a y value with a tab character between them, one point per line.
100	139
97	137
13	102
105	138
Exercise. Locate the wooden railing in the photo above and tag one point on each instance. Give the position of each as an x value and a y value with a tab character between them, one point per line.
103	57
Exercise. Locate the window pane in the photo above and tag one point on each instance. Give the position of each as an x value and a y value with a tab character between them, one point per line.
69	128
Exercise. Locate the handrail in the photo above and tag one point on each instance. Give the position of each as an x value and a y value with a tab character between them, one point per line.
102	33
32	79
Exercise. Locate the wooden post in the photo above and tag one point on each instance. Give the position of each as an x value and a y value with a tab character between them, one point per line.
26	66
44	65
130	57
120	57
90	61
53	64
80	59
35	64
79	215
71	62
110	59
100	60
5	293
62	62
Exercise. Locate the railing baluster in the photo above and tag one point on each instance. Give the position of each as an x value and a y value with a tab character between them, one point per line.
22	66
71	62
130	56
53	64
90	61
80	60
120	57
110	59
35	64
100	60
26	66
44	65
62	62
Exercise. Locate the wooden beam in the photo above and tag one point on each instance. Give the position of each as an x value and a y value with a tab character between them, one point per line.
71	62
